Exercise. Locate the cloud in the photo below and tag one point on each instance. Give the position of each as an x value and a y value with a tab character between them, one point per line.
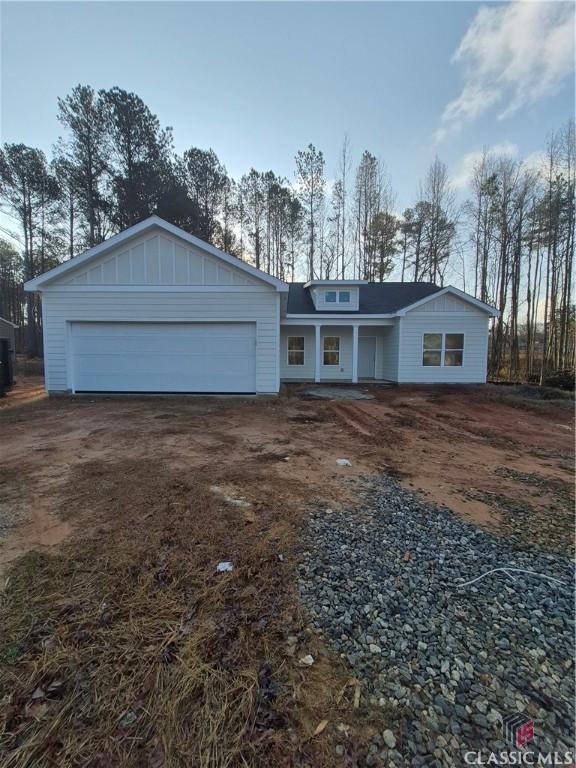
512	55
469	162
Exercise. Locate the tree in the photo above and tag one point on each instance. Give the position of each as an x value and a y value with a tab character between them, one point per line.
253	202
384	229
31	191
310	181
139	158
82	113
206	180
439	223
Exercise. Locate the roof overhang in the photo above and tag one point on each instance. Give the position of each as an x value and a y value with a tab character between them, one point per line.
312	283
450	289
152	222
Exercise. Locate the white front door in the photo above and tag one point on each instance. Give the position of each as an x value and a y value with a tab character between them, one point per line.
366	357
163	357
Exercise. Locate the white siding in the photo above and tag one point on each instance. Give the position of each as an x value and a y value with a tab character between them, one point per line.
340	372
60	308
319	298
390	346
330	373
297	372
446	315
157	260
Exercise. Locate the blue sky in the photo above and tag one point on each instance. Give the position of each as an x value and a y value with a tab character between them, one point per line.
258	81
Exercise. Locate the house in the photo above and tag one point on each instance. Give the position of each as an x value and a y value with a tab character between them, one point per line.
154	309
7	353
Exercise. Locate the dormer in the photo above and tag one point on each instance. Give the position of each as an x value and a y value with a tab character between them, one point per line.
335	295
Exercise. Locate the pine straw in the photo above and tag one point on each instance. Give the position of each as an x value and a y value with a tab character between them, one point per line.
128	649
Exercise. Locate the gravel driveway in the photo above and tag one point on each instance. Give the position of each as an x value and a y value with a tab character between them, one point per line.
386	585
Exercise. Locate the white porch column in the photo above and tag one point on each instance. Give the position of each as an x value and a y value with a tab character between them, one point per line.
317	356
354	354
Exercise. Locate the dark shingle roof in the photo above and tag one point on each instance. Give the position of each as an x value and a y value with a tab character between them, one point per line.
375	298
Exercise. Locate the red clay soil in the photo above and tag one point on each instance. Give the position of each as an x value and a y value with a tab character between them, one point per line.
473	449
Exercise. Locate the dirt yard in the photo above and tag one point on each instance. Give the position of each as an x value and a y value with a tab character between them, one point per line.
123	645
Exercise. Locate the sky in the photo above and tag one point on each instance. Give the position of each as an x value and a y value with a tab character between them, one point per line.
258	81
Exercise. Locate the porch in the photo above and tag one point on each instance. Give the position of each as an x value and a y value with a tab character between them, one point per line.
323	351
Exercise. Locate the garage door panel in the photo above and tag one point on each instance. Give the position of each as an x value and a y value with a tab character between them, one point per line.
164	357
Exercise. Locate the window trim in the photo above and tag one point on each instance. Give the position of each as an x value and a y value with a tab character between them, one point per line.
442	349
288	350
340	301
324	350
326	293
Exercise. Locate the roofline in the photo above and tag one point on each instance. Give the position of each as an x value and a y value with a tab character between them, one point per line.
8	322
136	229
340	316
456	292
335	282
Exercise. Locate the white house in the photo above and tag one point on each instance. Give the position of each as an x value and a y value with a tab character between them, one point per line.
154	309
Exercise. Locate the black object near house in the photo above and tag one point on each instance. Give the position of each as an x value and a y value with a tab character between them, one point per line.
7	354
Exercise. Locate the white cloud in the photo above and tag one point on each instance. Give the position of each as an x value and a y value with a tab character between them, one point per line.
512	55
461	178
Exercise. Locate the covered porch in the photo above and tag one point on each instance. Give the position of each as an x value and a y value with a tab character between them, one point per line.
333	351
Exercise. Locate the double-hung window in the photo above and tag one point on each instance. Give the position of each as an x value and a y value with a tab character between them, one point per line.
445	349
295	350
331	350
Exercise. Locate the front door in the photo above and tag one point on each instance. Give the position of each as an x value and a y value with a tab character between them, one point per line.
367	357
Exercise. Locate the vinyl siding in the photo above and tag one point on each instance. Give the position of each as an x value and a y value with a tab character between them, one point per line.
329	373
342	372
62	307
452	317
390	346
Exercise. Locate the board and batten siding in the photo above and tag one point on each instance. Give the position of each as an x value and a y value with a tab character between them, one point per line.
63	307
447	314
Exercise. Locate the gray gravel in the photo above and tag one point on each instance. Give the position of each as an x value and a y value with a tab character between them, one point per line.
385	584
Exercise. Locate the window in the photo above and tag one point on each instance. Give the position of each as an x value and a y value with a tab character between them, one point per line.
443	349
295	350
432	350
453	348
331	350
330	297
344	297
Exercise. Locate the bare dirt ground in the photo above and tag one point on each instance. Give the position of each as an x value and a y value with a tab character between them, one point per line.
123	646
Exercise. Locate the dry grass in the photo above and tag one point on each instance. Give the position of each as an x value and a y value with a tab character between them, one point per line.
128	649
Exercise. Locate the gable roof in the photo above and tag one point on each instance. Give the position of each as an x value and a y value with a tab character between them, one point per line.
381	299
450	289
374	298
137	229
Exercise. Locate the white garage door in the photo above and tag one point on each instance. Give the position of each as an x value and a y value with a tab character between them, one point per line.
164	357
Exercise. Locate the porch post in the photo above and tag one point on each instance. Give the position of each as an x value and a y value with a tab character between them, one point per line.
354	354
317	355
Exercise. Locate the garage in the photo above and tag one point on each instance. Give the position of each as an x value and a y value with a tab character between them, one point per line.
155	309
163	357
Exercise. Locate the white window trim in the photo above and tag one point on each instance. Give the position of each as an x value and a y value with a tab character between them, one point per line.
288	350
335	297
349	297
331	365
443	349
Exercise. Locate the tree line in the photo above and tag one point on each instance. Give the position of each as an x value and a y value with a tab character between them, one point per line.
115	164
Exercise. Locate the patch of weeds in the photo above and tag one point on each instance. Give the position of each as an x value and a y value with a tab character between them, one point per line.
9	653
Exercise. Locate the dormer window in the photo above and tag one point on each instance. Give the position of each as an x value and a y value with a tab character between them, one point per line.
330	297
344	297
